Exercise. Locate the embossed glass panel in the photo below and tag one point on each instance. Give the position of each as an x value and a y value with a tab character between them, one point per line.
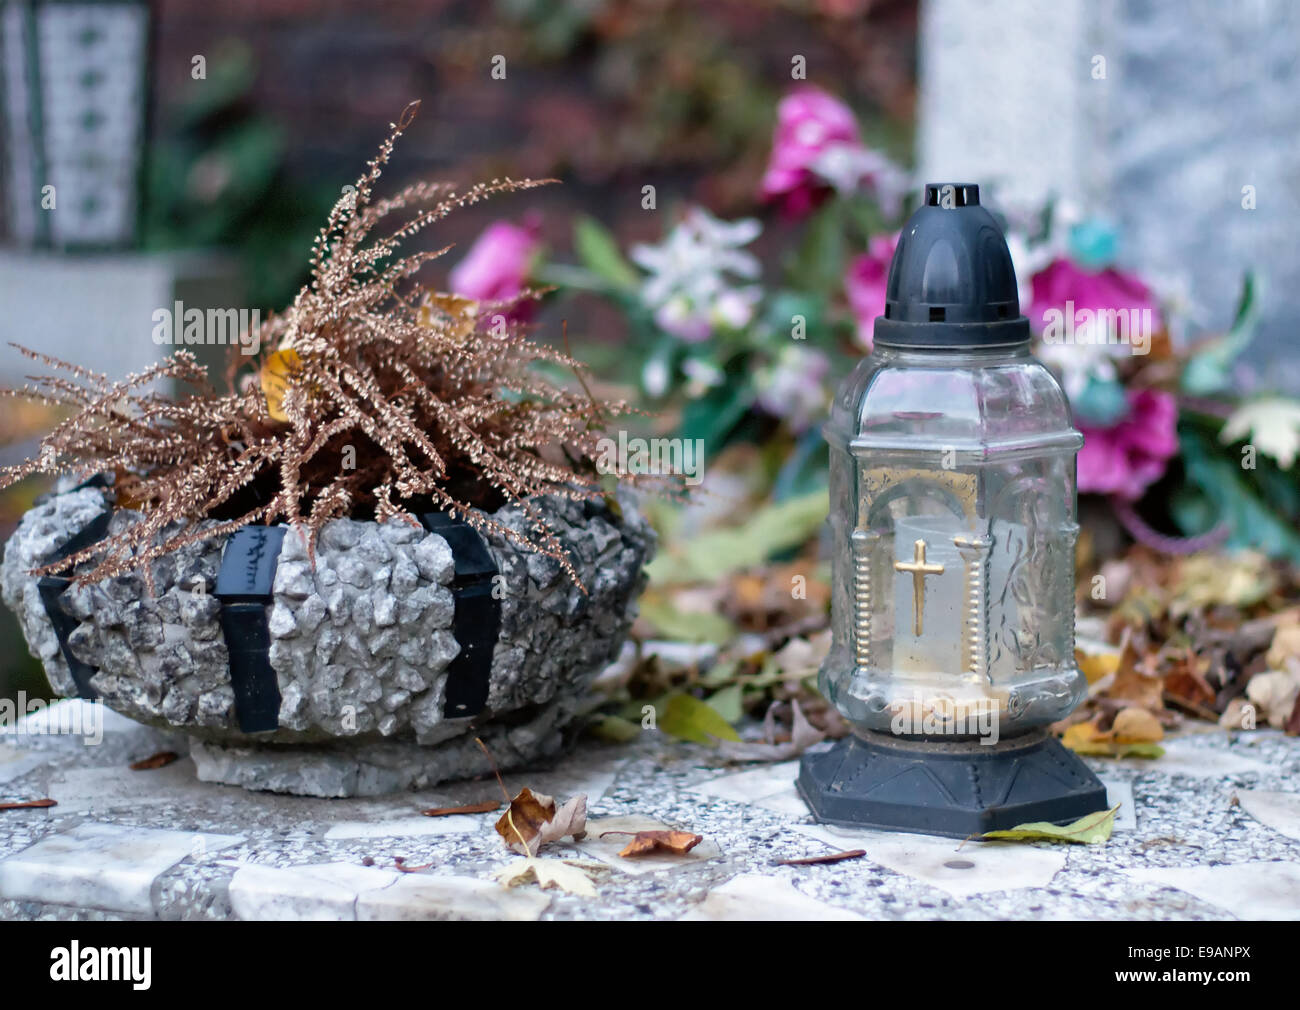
953	519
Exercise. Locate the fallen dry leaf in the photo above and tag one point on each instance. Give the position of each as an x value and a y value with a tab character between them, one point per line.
1136	725
469	808
159	760
1134	682
1286	642
802	736
1088	738
1094	666
1275	693
28	804
532	820
1091	829
834	857
1186	681
1292	726
1239	714
801	656
643	843
571	875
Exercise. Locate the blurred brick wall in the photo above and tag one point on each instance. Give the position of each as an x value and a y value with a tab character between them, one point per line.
333	73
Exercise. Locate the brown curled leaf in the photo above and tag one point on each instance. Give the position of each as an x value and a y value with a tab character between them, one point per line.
28	804
469	808
644	843
159	760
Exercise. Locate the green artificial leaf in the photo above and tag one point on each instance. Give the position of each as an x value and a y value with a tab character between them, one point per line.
1092	829
713	416
868	219
600	253
779	316
614	729
728	702
818	265
1253	522
1277	487
687	718
770	530
1208	370
804	470
684	625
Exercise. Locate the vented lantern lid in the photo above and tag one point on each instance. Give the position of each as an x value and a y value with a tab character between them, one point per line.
951	282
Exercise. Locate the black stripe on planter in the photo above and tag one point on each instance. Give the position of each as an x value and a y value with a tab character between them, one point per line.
478	616
51	587
244	589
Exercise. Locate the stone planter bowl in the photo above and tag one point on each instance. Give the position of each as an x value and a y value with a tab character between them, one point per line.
370	672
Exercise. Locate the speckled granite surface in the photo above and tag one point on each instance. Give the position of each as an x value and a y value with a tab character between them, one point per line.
1210	831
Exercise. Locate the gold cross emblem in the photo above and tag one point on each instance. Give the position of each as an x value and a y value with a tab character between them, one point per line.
919	570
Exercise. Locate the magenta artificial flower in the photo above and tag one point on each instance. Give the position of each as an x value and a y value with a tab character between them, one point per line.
1063	281
497	264
865	282
1126	458
808	123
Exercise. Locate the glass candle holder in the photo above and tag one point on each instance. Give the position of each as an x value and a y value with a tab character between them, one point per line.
952	514
952	486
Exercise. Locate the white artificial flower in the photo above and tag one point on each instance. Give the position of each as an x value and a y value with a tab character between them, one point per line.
794	386
1027	260
1079	362
654	377
735	308
1271	424
692	275
848	167
701	376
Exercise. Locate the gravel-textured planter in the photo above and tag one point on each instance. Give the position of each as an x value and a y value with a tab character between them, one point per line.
361	647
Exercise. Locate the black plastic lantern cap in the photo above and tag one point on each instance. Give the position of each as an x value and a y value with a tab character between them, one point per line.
951	283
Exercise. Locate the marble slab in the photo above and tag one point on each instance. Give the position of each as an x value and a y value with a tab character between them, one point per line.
337	892
1258	890
949	864
106	866
759	897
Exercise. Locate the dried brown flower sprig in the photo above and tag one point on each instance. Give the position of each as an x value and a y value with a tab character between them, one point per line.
373	399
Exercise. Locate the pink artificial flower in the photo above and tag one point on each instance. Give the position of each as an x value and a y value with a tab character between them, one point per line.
1128	457
865	282
1062	281
497	264
808	122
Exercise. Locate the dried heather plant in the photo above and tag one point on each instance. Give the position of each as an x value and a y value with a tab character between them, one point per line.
372	399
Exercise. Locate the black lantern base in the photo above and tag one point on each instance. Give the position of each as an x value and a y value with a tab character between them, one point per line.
952	788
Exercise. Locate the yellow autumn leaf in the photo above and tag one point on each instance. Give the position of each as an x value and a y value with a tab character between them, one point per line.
1086	738
1094	666
572	875
1091	829
277	370
1136	725
456	316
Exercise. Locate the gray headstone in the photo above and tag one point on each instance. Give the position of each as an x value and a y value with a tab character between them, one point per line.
1155	116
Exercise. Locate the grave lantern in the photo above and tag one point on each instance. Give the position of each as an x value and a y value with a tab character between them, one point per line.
952	513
